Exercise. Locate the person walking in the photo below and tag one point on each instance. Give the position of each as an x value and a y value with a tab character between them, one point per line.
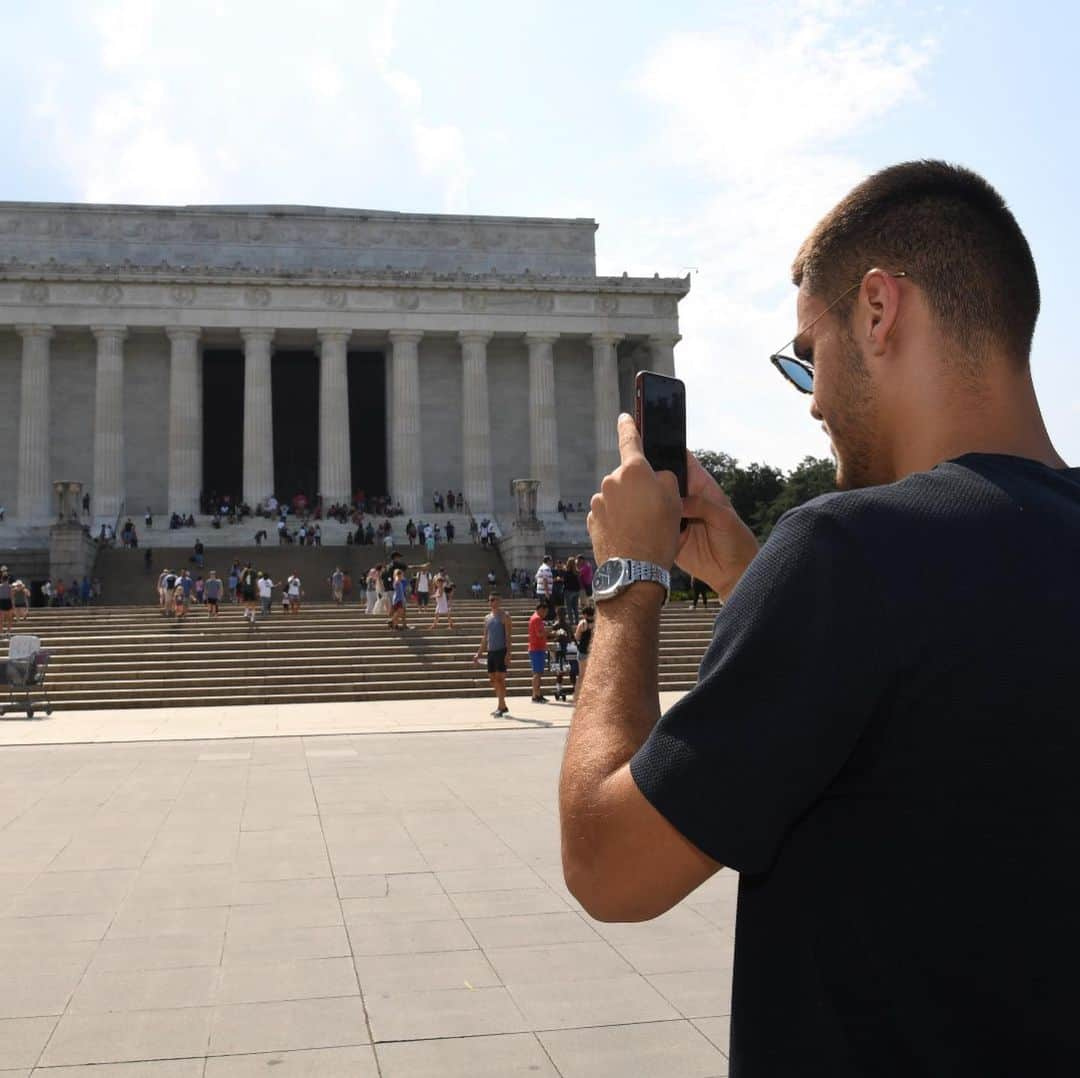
699	590
572	590
496	639
248	590
423	584
882	741
337	585
538	649
20	598
7	604
583	635
266	594
398	613
443	592
295	593
371	590
212	593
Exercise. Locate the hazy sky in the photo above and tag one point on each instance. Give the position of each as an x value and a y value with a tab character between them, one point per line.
703	137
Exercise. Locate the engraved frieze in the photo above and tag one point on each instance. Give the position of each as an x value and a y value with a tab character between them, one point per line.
475	302
35	292
334	298
607	304
663	305
109	293
183	295
406	301
257	297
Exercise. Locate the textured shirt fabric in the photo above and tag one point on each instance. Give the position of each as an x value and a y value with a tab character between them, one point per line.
885	742
495	631
537	633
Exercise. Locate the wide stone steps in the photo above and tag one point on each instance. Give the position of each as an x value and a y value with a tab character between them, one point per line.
131	657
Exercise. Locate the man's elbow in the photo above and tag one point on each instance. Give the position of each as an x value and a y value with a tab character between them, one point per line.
604	896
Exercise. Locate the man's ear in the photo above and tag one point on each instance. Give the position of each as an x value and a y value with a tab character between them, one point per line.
879	309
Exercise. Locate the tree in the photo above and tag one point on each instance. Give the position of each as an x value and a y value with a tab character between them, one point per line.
751	489
809	479
760	493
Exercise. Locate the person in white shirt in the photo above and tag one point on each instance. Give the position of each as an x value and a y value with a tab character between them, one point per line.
293	588
265	587
544	579
423	584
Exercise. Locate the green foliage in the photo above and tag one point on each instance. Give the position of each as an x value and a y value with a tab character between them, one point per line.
760	493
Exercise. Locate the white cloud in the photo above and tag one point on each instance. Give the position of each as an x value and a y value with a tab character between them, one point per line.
439	148
761	115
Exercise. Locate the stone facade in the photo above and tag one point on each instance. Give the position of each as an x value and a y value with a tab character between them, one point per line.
505	354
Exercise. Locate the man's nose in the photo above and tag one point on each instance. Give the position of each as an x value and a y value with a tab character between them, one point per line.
815	411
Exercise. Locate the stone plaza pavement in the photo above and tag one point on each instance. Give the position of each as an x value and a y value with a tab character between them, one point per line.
288	902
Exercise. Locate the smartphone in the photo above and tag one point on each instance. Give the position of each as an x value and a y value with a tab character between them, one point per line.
660	414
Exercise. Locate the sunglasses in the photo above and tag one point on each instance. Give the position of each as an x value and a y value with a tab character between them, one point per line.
798	371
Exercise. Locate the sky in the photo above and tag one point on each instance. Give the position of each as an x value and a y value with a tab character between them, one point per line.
704	138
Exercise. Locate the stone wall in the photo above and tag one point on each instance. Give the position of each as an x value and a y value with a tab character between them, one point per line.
285	239
440	416
146	424
574	411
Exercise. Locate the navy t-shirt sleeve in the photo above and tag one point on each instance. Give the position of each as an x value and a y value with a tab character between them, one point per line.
785	689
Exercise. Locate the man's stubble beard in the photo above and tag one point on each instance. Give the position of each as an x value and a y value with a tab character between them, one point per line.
854	420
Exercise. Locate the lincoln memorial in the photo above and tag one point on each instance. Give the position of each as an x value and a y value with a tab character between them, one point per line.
156	353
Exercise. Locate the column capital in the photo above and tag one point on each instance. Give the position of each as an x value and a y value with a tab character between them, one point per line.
605	338
406	336
257	334
474	336
541	338
669	339
26	331
183	333
334	335
107	333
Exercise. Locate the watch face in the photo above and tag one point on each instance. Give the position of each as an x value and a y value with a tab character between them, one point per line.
607	576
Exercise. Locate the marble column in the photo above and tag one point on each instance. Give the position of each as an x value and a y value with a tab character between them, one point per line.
185	422
476	423
108	484
35	479
406	466
335	455
543	426
662	350
258	416
605	402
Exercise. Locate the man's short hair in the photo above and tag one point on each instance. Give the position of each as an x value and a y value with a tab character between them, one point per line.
951	233
541	605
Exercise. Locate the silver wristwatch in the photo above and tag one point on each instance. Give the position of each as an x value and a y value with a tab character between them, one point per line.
617	574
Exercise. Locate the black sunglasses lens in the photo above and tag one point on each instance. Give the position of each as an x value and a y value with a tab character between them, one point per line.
796	373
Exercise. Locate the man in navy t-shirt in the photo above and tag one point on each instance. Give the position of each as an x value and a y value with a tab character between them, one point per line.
884	740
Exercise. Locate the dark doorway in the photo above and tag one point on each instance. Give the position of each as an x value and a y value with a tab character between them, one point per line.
295	380
367	422
223	423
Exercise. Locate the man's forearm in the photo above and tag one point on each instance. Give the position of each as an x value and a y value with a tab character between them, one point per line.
618	703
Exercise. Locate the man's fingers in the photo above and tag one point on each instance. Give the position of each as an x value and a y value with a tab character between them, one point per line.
629	440
699	507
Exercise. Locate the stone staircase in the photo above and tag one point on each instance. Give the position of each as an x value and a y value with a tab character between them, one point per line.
126	580
131	657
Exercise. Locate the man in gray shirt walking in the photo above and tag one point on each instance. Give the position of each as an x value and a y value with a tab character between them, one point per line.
497	640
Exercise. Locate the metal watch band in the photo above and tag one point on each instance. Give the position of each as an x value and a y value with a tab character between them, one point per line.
646	570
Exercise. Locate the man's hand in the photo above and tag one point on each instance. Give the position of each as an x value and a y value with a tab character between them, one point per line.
636	514
716	546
